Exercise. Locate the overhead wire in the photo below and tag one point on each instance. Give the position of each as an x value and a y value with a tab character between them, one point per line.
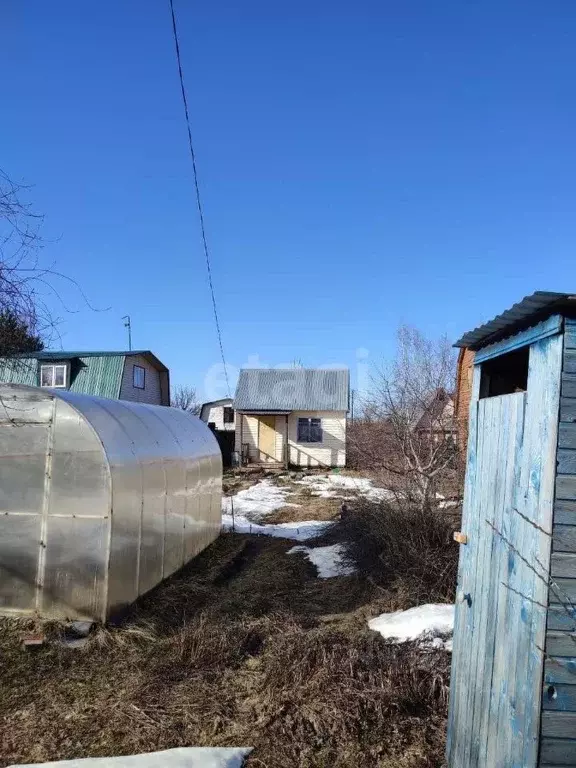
198	196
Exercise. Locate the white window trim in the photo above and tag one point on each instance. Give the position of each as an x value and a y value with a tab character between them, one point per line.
141	368
52	367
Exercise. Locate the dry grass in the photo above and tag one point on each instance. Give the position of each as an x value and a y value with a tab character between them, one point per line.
311	508
244	647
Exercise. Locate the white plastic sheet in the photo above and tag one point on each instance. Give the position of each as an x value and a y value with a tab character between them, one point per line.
183	757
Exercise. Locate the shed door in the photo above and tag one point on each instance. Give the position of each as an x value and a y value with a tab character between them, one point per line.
267	438
499	634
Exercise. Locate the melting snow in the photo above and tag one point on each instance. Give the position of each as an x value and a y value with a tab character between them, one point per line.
428	622
330	486
300	531
183	757
256	502
328	560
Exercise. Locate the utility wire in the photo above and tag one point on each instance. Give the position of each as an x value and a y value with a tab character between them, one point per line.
198	198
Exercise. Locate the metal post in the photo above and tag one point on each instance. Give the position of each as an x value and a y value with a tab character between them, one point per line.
127	324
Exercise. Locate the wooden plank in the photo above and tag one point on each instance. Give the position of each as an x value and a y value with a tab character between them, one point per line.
570	361
566	460
560	725
559	698
567	435
540	445
568	409
563	564
569	334
502	412
561	669
498	596
567	589
457	730
559	620
566	487
561	644
568	385
549	327
565	512
558	751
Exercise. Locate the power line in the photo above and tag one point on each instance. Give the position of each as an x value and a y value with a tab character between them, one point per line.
196	187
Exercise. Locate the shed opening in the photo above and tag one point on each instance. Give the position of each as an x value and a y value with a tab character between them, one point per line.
505	374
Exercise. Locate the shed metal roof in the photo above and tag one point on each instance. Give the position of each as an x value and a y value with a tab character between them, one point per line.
530	310
292	389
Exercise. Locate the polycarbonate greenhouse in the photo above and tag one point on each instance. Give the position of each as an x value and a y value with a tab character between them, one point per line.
99	500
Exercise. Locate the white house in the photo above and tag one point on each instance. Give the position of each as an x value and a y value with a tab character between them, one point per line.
293	416
219	413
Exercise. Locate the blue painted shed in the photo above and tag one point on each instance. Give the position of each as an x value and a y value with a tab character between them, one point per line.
513	689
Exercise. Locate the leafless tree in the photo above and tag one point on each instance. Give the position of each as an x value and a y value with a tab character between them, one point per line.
408	427
186	399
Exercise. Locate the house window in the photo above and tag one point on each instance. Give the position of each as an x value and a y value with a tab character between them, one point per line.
138	377
309	430
53	376
228	415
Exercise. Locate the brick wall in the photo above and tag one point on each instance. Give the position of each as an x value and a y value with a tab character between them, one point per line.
464	375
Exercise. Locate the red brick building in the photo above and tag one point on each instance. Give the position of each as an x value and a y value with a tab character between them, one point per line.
464	374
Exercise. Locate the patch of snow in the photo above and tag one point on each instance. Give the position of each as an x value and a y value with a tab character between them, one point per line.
300	531
257	501
448	504
328	486
328	560
182	757
426	622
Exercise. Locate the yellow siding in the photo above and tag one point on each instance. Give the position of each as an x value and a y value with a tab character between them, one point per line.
248	426
331	452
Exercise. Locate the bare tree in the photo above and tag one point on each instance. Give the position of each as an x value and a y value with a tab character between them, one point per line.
186	399
408	416
26	284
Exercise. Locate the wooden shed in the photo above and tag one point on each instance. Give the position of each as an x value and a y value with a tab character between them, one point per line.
513	688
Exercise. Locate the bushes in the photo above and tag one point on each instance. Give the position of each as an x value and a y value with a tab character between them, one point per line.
406	550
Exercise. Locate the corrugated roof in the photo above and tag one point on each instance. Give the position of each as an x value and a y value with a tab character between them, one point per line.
521	315
294	389
59	354
21	370
99	375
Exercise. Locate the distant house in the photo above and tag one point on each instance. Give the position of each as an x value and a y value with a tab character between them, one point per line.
137	375
219	414
437	418
293	416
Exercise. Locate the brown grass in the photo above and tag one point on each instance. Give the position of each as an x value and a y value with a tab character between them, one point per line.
311	508
244	647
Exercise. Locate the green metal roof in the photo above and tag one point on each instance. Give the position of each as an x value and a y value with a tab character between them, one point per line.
20	370
59	354
101	376
89	375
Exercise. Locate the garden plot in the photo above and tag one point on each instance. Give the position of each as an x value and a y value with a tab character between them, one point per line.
246	512
338	486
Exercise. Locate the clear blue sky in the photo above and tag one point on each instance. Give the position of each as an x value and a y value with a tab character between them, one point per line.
362	164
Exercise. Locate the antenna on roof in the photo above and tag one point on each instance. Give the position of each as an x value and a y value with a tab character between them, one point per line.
128	325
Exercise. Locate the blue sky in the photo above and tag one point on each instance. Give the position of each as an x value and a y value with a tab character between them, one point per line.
362	165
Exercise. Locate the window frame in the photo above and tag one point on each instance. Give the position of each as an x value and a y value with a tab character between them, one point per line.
52	367
135	367
309	430
228	411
